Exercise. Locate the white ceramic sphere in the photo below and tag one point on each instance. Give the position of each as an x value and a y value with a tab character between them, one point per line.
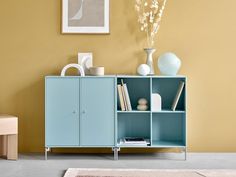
143	70
169	64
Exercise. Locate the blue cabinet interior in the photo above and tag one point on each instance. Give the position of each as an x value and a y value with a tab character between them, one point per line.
138	88
167	88
134	125
168	129
85	112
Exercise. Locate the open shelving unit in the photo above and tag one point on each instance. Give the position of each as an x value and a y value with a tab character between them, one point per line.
165	128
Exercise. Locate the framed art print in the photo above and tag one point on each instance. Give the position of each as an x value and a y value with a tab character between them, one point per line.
85	16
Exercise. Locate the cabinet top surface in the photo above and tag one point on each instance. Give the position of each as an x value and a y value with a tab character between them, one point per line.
118	76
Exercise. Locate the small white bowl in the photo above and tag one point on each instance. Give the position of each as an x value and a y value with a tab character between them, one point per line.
97	71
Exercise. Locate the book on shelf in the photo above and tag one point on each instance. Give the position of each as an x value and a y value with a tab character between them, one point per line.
124	98
121	99
127	98
123	95
178	94
134	141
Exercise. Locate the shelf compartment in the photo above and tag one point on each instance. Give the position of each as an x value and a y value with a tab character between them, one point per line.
168	130
167	88
133	125
137	88
166	144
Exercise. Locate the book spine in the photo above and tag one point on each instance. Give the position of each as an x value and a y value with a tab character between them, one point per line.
121	99
127	98
176	100
123	94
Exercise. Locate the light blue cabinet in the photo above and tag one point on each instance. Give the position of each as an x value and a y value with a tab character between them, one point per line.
97	106
85	112
80	112
62	112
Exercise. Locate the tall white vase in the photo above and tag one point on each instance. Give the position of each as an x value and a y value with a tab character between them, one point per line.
150	52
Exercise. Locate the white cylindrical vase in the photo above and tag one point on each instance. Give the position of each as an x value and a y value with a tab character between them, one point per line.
150	52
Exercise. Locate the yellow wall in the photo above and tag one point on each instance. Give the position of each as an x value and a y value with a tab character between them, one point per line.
201	32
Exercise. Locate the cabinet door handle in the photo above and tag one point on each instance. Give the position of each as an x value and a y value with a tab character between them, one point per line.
74	112
83	112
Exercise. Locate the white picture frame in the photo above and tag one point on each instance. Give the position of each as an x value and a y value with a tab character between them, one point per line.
67	28
86	61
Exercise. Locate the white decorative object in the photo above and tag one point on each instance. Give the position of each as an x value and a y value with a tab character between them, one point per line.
156	102
169	64
97	71
143	70
86	61
142	104
142	101
85	16
142	107
73	65
149	17
150	59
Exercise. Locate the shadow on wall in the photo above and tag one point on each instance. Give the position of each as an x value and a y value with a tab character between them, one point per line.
134	31
29	107
124	23
132	22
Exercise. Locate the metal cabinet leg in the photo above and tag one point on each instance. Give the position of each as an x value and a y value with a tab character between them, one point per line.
116	153
47	149
184	150
185	153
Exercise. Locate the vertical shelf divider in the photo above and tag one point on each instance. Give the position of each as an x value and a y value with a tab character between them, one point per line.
186	114
116	110
150	104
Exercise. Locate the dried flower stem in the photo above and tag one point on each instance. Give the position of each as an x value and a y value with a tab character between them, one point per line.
149	16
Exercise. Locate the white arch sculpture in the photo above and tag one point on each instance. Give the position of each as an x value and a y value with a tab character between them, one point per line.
73	65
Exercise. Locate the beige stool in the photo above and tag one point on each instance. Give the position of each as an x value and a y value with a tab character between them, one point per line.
9	137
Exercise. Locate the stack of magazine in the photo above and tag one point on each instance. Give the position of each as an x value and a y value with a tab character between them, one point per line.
134	141
124	98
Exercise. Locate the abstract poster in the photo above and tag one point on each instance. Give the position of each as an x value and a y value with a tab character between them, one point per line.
85	16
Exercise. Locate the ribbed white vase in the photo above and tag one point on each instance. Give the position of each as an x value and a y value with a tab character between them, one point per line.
150	52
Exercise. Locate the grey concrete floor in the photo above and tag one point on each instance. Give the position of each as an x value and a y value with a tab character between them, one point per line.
34	165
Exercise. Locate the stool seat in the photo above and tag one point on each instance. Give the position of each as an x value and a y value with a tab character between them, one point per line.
9	137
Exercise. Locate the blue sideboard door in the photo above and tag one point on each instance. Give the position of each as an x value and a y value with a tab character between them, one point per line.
62	111
97	108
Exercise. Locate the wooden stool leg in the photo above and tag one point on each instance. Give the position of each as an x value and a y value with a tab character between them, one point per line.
12	147
3	145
